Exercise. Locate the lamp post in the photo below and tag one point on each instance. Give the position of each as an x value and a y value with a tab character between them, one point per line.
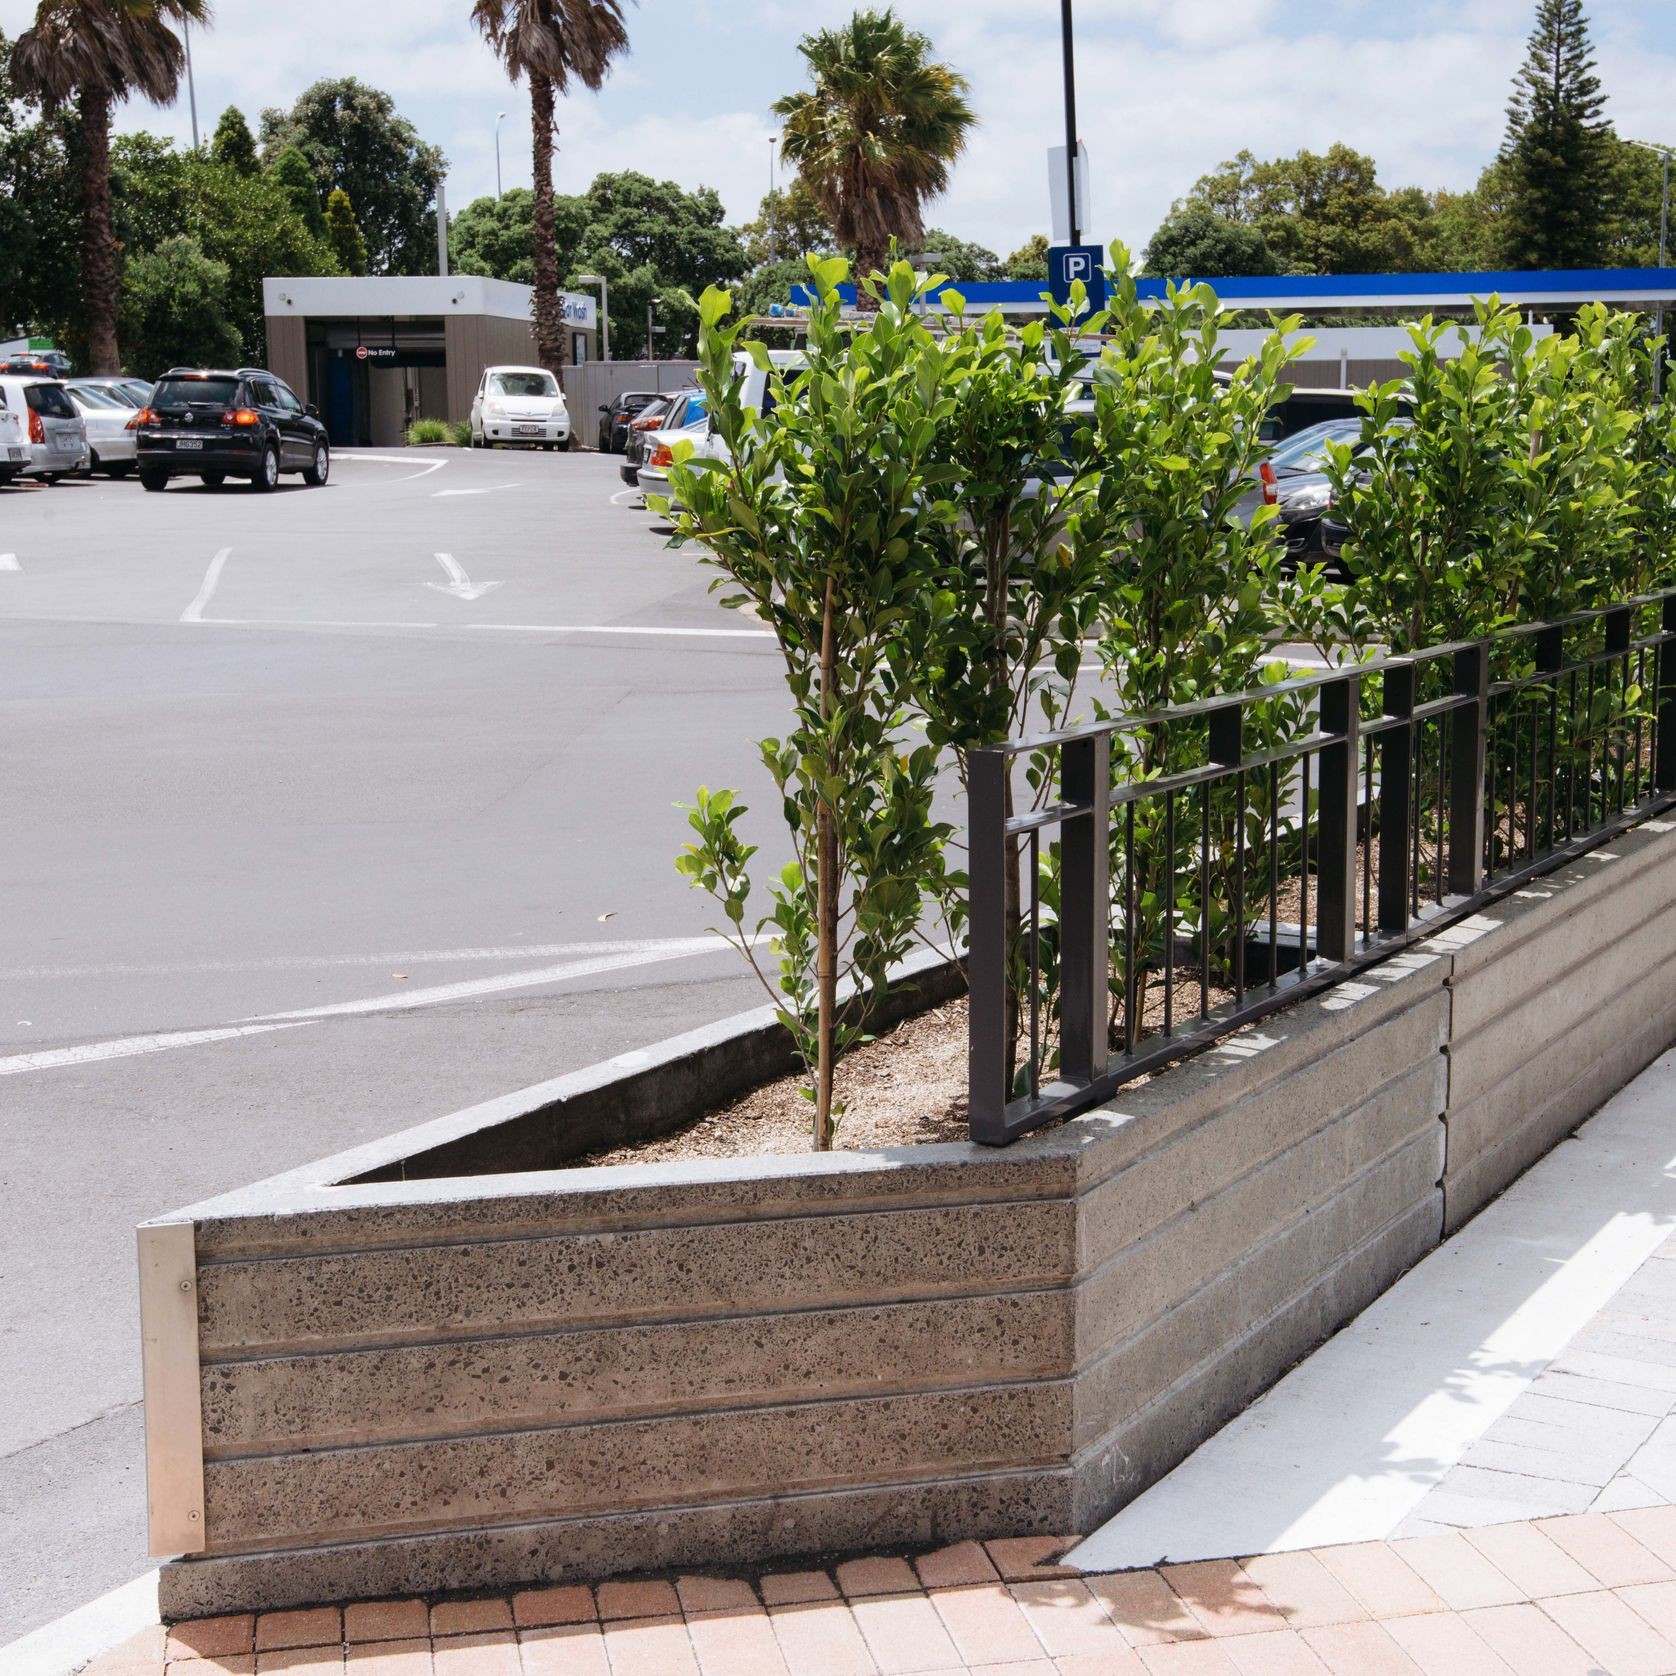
604	311
191	89
1070	118
773	249
500	117
1664	253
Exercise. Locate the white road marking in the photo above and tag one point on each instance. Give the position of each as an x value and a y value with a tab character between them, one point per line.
68	1643
617	499
194	613
616	628
8	561
125	1047
647	955
488	489
304	623
402	957
459	584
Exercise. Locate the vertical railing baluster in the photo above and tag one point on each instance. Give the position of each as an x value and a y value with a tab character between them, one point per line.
1169	911
987	935
1466	770
1131	978
1335	911
1275	777
1664	723
1303	874
1620	623
1227	750
1396	811
1035	962
1085	908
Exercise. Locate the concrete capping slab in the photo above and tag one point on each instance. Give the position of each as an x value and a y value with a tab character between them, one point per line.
1307	1166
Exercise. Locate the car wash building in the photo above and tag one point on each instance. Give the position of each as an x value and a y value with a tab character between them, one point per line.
374	354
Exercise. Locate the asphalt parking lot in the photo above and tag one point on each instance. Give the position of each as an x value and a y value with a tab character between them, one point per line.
325	813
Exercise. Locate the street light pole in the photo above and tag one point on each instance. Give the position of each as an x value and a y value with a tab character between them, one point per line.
1070	118
773	249
1664	255
651	346
191	88
499	119
604	311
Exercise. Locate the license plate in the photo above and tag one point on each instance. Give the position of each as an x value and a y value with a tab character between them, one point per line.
14	453
526	430
187	442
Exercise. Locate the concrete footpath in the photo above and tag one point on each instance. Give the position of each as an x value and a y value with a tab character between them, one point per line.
1477	1474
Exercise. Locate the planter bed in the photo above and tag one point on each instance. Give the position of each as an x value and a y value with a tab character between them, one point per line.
447	1361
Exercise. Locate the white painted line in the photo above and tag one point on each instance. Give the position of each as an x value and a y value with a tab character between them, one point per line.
459	584
618	500
8	561
383	459
194	613
125	1047
303	623
405	957
488	489
68	1643
650	955
614	628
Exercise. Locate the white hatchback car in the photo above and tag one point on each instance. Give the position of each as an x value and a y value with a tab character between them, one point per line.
110	428
50	438
519	405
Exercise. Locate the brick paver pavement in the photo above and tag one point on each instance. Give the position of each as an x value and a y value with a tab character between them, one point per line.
1590	1595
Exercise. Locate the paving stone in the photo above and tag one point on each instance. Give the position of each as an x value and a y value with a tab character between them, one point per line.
491	1654
1443	1507
650	1647
564	1650
1652	1527
1302	1589
1364	1649
1144	1607
316	1626
987	1626
1380	1579
296	1661
1614	1424
1656	1602
638	1597
1274	1653
903	1633
1606	1550
1460	1574
1530	1561
1606	1336
386	1620
1654	1462
715	1594
1184	1658
391	1658
821	1638
1067	1618
470	1617
1551	1495
960	1562
1619	1369
1223	1599
1444	1644
740	1642
1596	1471
1617	1637
1531	1643
1601	1393
783	1588
200	1637
217	1664
1025	1559
1077	1664
570	1603
1625	1492
878	1575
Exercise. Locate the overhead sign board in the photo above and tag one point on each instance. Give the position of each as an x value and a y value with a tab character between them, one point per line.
1059	195
1070	262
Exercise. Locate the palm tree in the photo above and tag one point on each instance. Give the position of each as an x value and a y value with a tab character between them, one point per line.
93	54
875	137
552	42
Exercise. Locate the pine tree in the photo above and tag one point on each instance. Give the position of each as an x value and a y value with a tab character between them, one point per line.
1557	153
290	170
234	146
343	234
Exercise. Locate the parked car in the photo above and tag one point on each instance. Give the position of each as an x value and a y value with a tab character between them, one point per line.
687	419
519	405
54	439
36	363
1301	454
110	443
1301	409
215	425
755	390
133	392
1304	495
648	419
615	417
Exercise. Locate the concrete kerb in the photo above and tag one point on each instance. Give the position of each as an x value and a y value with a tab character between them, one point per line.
683	1307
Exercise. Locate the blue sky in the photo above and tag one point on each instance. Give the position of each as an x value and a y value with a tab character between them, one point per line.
1166	89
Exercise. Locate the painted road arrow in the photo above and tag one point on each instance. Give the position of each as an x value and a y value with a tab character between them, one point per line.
459	584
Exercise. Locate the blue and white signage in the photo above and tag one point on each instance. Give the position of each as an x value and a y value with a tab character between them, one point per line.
580	313
1070	262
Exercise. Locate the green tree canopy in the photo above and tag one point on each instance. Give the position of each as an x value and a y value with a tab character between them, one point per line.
343	233
174	310
789	222
495	236
1557	154
290	172
958	258
233	145
353	137
1030	260
1197	243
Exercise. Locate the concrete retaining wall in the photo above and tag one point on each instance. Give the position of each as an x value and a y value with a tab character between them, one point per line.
450	1381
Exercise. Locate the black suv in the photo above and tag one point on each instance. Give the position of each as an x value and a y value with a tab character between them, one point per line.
217	425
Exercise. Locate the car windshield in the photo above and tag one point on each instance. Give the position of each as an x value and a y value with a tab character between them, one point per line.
1307	449
524	384
122	394
86	396
196	392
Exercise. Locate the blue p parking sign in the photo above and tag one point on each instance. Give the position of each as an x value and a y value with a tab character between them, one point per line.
1070	262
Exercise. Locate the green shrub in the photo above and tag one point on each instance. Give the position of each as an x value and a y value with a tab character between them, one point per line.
423	431
459	433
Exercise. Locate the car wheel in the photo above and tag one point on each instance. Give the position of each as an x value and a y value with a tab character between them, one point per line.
155	482
267	473
212	479
119	472
315	476
52	477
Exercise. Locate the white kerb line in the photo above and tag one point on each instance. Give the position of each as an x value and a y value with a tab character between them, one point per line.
194	613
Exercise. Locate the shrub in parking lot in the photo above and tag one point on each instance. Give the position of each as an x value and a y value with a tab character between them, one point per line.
423	433
817	521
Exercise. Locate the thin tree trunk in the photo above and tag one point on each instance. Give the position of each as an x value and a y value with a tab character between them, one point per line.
99	273
826	901
549	318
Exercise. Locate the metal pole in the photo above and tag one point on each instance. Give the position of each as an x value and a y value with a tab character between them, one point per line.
499	119
1664	243
441	229
651	346
191	89
1070	119
772	249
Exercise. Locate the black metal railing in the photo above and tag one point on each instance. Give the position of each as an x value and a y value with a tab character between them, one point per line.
1178	875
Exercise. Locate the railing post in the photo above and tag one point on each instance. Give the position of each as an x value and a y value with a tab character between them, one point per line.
987	934
1466	771
1085	908
1227	750
1335	933
1664	761
1396	801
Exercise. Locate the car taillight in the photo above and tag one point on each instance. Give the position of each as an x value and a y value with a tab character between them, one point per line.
662	455
241	416
37	431
648	424
1266	472
145	416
